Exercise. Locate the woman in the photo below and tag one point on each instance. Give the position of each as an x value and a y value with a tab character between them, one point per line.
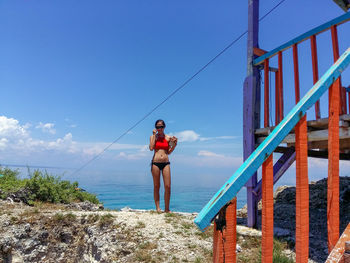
163	145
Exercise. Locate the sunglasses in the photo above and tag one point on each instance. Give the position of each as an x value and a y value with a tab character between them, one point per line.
159	127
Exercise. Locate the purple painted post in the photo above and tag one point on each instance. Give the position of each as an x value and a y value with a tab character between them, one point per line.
251	105
280	167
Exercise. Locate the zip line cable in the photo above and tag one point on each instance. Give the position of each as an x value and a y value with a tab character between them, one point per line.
174	92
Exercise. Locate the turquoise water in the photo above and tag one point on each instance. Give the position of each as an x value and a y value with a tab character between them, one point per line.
183	198
117	195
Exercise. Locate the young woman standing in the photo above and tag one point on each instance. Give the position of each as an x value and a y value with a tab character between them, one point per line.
162	145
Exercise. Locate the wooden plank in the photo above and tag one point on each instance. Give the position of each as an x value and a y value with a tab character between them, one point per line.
255	160
302	193
267	211
315	31
296	73
320	123
251	104
313	136
258	51
345	117
280	87
266	94
333	154
336	256
218	254
322	154
315	71
277	95
335	45
344	144
230	232
317	124
272	69
322	135
279	168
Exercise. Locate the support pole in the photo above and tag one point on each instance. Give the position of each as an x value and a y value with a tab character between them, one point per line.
302	193
315	71
230	232
277	95
251	105
280	86
267	211
333	156
267	186
224	236
266	93
218	251
302	181
342	109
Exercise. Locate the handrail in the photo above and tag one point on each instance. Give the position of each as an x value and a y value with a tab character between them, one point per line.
315	31
229	190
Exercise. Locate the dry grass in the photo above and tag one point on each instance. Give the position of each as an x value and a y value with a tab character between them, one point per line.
106	220
140	224
45	206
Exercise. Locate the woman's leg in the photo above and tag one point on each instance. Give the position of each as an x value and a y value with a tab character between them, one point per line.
156	185
167	187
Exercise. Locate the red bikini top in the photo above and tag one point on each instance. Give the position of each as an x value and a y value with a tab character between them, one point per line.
161	143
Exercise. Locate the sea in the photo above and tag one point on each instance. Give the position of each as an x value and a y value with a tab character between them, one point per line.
118	195
183	198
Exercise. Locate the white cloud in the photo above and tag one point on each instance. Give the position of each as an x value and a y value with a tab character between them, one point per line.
187	136
3	143
210	154
15	139
46	127
133	156
210	159
192	136
70	123
141	153
218	138
10	128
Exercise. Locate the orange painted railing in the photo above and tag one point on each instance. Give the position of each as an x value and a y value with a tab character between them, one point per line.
337	105
225	224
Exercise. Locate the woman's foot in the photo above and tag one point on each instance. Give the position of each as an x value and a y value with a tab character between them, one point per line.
159	210
167	211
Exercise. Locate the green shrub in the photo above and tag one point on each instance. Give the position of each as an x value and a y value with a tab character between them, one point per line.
9	181
43	187
278	255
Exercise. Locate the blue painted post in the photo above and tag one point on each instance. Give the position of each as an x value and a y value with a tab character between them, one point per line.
251	105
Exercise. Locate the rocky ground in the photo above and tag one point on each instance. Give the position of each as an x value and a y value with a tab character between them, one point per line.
83	232
54	233
284	215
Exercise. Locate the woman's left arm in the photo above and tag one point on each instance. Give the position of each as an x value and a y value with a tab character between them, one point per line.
172	145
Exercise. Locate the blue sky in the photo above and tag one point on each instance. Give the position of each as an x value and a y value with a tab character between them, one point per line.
74	75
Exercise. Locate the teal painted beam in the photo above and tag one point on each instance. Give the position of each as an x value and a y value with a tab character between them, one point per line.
317	30
230	189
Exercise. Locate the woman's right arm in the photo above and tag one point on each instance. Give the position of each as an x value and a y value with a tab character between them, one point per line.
152	140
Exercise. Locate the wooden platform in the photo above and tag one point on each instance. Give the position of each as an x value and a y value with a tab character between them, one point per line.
317	138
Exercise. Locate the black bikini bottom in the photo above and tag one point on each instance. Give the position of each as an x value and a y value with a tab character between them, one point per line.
160	165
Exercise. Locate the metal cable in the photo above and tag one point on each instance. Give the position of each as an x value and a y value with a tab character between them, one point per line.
174	92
